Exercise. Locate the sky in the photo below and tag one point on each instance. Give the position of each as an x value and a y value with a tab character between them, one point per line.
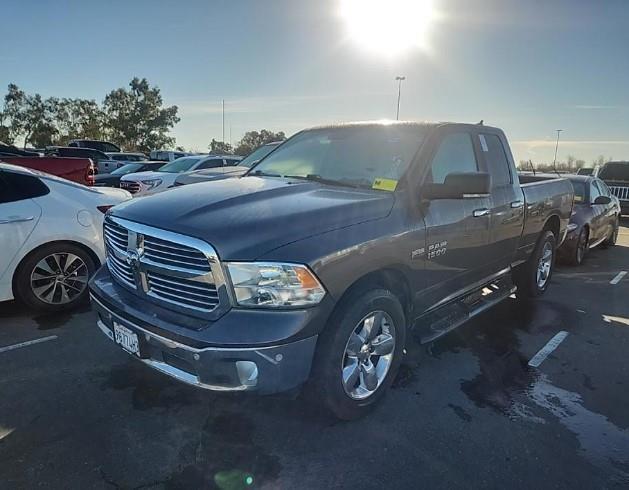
529	67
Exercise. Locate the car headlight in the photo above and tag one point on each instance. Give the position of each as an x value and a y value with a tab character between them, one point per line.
274	285
151	183
572	227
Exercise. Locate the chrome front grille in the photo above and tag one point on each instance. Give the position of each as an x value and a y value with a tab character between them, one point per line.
177	271
185	292
130	186
621	193
175	255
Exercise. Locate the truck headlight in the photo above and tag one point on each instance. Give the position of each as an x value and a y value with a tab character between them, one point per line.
274	284
151	183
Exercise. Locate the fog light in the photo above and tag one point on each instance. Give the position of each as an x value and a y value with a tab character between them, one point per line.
247	372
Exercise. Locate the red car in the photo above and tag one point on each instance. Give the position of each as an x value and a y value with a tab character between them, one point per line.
79	170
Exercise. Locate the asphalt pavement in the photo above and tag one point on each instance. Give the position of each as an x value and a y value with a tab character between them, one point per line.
467	411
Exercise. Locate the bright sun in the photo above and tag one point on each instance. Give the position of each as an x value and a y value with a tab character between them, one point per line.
388	27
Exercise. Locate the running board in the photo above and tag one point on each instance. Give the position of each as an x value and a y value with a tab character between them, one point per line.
433	325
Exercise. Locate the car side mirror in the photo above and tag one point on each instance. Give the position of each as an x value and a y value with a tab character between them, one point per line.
602	200
459	185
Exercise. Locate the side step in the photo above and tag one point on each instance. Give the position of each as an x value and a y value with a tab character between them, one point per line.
433	325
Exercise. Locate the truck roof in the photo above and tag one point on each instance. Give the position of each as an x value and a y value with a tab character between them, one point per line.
388	122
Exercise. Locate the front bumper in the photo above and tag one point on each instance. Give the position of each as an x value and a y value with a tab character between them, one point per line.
269	369
243	350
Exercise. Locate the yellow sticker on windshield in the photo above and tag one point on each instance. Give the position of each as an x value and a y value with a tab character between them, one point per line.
384	184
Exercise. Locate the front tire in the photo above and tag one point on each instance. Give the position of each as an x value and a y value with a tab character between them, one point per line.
54	277
581	248
533	277
359	353
611	240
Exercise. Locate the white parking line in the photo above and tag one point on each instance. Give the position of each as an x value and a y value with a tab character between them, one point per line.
618	277
27	343
545	351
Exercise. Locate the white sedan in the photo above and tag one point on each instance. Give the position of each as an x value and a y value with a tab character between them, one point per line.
51	236
146	183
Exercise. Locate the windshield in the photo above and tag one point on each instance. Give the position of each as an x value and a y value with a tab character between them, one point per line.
579	191
180	165
127	169
615	171
363	156
256	155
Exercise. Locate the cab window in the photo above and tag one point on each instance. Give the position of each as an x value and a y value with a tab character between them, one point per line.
455	154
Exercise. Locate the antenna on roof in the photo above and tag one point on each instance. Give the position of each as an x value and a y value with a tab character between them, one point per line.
481	122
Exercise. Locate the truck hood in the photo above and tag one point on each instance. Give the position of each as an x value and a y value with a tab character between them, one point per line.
245	218
144	175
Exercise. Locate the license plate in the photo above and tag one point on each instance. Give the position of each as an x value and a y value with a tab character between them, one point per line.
126	339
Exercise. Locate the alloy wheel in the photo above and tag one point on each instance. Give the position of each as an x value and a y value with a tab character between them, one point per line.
59	278
368	355
544	265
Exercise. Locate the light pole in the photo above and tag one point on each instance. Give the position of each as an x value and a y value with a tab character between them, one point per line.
223	125
399	93
556	147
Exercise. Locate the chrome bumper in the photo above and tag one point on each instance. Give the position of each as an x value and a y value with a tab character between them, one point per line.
268	369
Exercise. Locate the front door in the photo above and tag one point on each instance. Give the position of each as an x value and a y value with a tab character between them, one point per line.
457	230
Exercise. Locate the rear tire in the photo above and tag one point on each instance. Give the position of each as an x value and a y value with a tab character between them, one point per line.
611	239
350	372
54	277
533	277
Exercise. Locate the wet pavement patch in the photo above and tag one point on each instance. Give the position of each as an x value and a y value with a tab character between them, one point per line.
49	321
150	389
460	412
225	457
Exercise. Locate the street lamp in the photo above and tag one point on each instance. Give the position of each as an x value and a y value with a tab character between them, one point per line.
399	93
556	147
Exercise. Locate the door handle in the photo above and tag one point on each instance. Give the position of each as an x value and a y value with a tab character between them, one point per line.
517	204
480	212
16	219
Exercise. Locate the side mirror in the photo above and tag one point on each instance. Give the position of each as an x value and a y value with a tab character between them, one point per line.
459	185
602	200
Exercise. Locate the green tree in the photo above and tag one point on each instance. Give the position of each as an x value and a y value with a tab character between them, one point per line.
39	127
12	114
78	118
220	147
252	139
136	119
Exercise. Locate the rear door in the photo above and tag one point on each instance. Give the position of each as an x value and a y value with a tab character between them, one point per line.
598	214
457	229
19	215
507	201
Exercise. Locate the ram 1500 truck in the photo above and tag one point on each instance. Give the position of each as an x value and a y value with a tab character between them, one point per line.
315	265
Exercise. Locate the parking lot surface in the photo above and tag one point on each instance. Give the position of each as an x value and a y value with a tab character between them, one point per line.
467	411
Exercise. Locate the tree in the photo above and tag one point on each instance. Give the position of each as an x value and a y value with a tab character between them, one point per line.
220	147
39	121
136	119
79	118
601	160
12	114
252	139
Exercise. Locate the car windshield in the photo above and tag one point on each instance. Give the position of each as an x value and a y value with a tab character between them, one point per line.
361	156
615	171
127	169
579	191
256	155
180	165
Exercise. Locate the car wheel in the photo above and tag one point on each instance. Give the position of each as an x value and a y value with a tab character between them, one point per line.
611	240
359	353
54	277
533	277
581	248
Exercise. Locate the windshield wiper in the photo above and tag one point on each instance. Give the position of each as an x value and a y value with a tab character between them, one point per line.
321	180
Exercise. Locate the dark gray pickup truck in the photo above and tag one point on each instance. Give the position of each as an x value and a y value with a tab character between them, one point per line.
314	266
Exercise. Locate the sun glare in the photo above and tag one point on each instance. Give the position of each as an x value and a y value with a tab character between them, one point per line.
388	27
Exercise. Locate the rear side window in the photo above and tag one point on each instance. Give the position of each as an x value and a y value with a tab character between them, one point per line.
17	187
215	162
496	158
594	191
455	154
615	171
